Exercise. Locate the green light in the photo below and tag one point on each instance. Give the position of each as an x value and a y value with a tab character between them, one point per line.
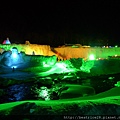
59	67
91	57
45	65
87	65
116	45
118	84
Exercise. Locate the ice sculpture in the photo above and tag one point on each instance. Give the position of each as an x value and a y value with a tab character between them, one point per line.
7	41
11	58
87	65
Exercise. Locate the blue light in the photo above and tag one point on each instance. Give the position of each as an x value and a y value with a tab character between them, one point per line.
13	67
14	55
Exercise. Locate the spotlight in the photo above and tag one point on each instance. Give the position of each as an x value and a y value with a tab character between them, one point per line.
91	57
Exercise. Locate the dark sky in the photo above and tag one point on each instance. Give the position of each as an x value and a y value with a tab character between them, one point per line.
61	21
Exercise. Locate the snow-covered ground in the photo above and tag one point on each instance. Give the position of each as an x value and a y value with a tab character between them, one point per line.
106	104
95	102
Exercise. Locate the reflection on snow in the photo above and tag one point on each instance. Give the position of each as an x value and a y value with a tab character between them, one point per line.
58	68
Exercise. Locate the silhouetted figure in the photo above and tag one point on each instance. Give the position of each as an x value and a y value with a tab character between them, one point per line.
13	69
33	53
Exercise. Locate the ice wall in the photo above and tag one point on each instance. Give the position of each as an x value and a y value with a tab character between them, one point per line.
70	52
63	53
17	60
30	49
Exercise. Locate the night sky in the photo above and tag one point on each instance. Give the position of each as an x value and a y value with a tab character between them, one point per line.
87	22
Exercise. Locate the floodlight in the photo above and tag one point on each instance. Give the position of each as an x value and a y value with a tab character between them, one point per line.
91	57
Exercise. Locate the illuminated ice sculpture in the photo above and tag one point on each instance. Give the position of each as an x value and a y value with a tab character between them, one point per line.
15	58
7	41
14	53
